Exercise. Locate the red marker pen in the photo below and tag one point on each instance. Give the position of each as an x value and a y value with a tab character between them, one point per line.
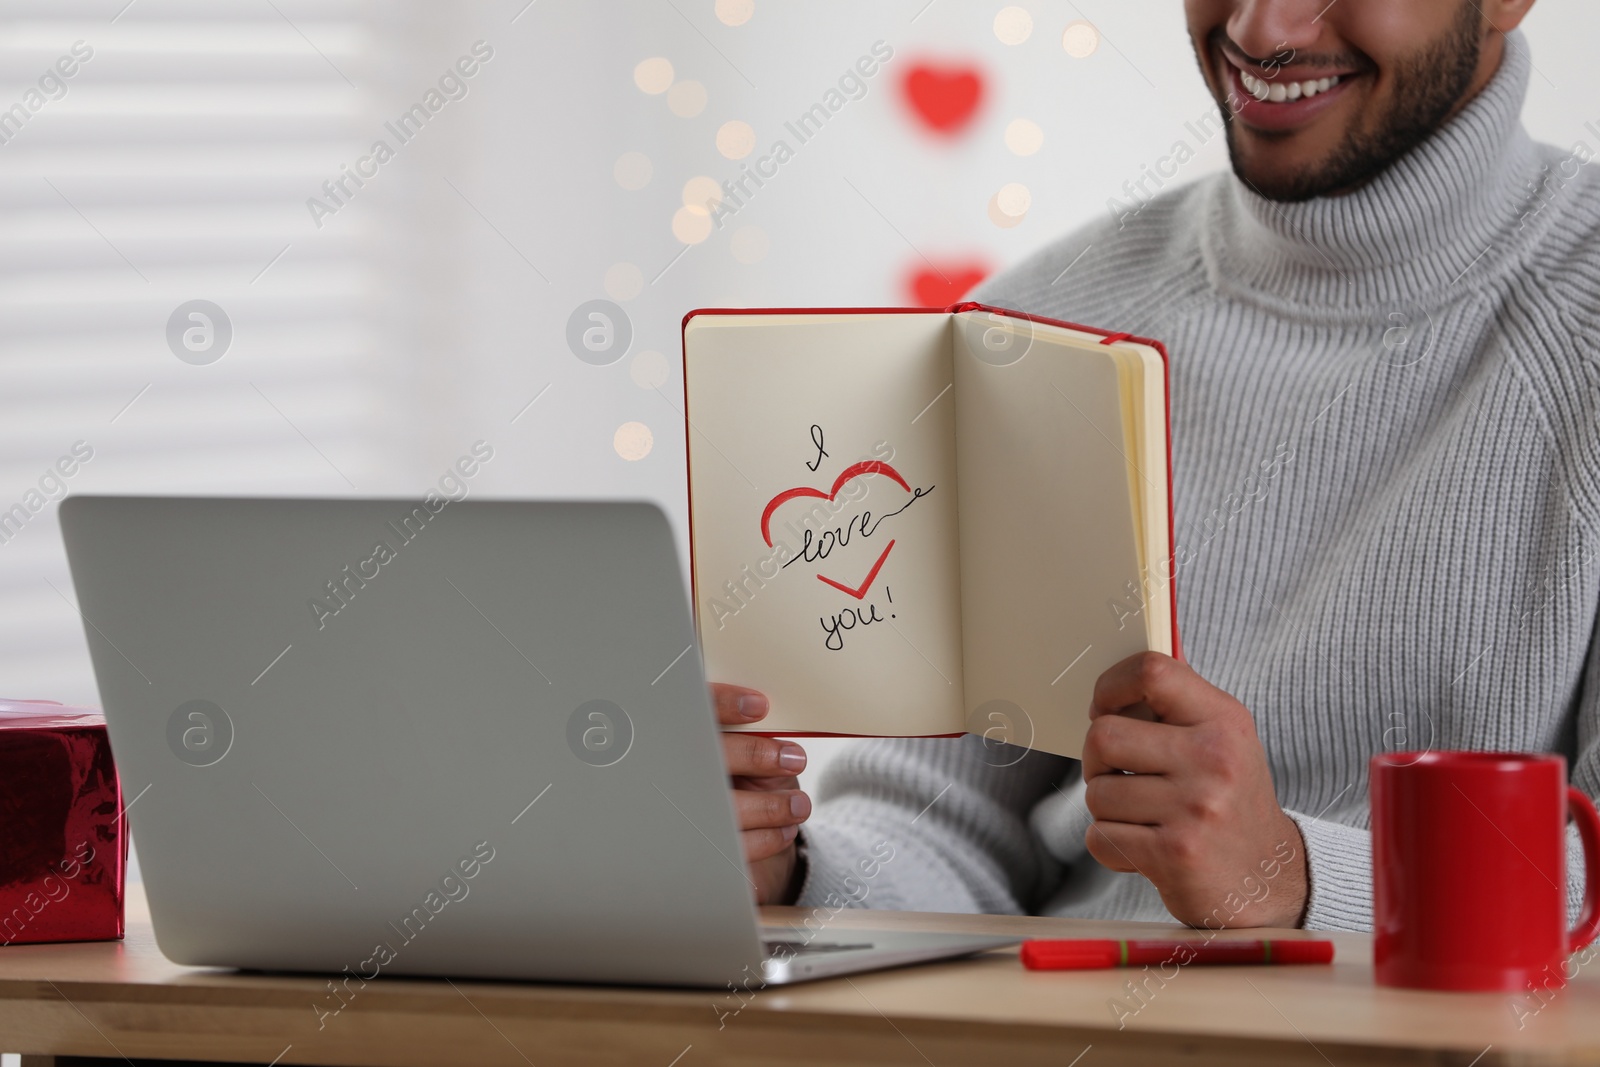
1041	955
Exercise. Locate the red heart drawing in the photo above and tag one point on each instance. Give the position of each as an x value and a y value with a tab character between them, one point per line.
856	470
938	287
945	98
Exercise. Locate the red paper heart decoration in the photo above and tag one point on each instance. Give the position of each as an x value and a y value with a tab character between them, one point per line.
939	288
945	98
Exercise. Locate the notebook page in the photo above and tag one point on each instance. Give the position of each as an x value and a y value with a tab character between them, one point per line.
1048	536
838	599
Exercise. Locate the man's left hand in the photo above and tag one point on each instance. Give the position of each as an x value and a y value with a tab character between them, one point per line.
1198	815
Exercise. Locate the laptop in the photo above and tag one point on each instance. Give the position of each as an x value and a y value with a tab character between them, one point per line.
430	738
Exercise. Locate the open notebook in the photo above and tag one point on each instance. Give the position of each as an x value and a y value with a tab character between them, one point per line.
910	522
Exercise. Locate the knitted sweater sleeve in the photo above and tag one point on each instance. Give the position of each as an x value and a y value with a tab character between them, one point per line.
1339	872
1585	769
936	824
942	825
1339	855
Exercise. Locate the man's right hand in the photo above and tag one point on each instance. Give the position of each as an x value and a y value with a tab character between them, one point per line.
766	792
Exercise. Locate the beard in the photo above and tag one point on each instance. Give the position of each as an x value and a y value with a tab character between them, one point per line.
1426	88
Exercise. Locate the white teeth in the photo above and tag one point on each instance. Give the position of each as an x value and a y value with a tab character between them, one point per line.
1280	92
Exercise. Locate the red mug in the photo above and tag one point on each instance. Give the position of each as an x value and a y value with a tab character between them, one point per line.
1469	870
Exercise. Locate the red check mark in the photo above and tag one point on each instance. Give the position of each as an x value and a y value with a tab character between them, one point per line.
860	592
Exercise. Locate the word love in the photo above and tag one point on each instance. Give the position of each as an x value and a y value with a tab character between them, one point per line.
848	619
815	546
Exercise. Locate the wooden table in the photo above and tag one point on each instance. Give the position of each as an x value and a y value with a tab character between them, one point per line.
125	1001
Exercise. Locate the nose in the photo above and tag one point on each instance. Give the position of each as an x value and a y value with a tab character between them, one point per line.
1268	28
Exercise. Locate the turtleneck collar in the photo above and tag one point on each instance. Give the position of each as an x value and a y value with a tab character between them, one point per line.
1439	221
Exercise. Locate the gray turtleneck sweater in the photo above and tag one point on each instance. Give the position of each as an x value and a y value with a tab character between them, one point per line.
1420	573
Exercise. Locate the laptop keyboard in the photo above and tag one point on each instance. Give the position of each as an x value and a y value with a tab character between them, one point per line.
808	948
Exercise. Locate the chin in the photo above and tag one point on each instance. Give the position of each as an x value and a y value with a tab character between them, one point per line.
1273	181
1275	168
1351	119
1286	184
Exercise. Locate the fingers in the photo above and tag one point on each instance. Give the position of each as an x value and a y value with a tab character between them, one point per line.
754	756
765	785
1122	846
1143	799
750	755
773	874
764	844
769	821
1119	743
767	810
766	798
1166	687
738	705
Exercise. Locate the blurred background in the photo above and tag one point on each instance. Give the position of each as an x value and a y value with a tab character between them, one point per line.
214	280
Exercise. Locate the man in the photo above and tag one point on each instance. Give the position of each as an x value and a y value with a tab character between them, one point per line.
1393	306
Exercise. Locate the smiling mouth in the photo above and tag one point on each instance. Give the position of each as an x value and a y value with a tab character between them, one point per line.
1278	99
1266	82
1278	92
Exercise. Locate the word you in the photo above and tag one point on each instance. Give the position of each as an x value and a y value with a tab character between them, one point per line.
452	888
855	892
52	86
452	486
833	628
1252	890
852	85
52	485
56	886
452	86
739	592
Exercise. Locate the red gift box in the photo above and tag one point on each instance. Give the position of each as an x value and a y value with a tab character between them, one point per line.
63	840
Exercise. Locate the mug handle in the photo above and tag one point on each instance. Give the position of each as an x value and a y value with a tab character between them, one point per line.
1582	810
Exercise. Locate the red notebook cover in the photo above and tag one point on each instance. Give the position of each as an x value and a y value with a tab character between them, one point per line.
1107	337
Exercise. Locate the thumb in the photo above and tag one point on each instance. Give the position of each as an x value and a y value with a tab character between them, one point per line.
1152	685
